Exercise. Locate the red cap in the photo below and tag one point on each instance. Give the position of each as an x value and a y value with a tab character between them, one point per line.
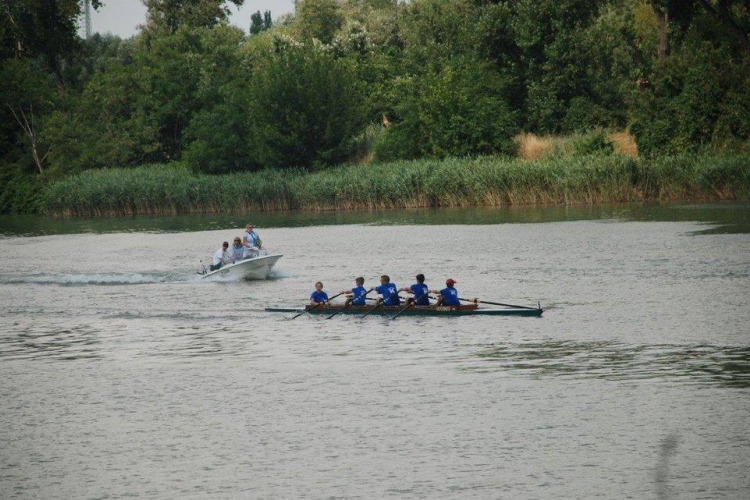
450	282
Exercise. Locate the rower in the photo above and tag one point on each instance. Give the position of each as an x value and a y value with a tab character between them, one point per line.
388	291
448	296
318	296
357	295
420	291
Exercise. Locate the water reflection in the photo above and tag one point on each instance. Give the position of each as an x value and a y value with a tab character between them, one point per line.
49	341
724	218
667	449
702	364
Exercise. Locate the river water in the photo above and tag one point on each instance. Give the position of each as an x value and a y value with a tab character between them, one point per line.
124	374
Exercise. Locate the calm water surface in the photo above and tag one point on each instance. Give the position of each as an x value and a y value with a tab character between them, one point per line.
124	374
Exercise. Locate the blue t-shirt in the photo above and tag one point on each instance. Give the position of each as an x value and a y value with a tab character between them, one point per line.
450	296
420	294
389	291
358	296
319	296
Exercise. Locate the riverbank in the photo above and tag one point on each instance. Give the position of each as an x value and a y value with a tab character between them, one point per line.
454	182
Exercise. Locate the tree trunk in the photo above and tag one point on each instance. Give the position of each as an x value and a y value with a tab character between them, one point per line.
28	127
662	16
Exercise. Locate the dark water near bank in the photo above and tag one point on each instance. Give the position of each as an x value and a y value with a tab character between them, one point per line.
723	217
125	374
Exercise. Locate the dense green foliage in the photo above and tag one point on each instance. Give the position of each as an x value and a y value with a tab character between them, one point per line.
342	82
485	180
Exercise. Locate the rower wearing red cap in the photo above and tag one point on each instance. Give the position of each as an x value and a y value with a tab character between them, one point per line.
448	296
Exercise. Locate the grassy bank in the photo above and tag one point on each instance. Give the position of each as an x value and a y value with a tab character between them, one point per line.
486	181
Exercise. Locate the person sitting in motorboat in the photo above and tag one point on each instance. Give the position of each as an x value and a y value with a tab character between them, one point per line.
251	242
318	296
388	292
448	296
420	291
222	257
357	295
238	251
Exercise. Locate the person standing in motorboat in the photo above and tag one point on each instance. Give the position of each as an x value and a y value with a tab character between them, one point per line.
448	296
251	242
222	257
238	251
388	291
420	291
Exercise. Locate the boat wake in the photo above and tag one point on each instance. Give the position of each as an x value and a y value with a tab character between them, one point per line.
108	279
113	279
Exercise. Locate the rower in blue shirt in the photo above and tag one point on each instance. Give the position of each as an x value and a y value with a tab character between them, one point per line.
318	296
357	295
448	296
388	291
420	291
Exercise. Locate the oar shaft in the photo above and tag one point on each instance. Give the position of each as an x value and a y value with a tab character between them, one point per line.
316	305
373	308
346	305
339	311
408	305
499	304
306	310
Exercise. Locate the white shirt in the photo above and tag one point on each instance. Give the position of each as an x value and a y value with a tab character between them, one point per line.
222	256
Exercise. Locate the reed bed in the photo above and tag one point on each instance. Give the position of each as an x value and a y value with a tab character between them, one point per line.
453	182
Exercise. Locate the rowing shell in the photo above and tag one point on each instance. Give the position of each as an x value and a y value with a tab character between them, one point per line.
434	310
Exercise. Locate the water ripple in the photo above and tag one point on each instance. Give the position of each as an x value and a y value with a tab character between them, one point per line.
50	341
701	364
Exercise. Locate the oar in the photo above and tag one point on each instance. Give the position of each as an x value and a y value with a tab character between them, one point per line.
407	306
410	304
499	304
380	302
313	307
347	305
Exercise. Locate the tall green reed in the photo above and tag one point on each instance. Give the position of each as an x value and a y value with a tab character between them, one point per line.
588	178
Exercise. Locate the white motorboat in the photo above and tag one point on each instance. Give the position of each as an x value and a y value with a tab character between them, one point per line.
254	268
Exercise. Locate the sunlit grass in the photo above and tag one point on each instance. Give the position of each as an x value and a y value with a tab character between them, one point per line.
532	147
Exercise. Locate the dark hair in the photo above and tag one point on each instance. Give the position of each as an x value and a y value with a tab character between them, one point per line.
420	278
225	244
386	278
360	280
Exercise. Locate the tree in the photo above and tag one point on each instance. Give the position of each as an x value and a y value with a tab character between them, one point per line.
734	15
460	109
28	95
319	19
104	126
694	98
45	29
260	23
305	106
169	15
